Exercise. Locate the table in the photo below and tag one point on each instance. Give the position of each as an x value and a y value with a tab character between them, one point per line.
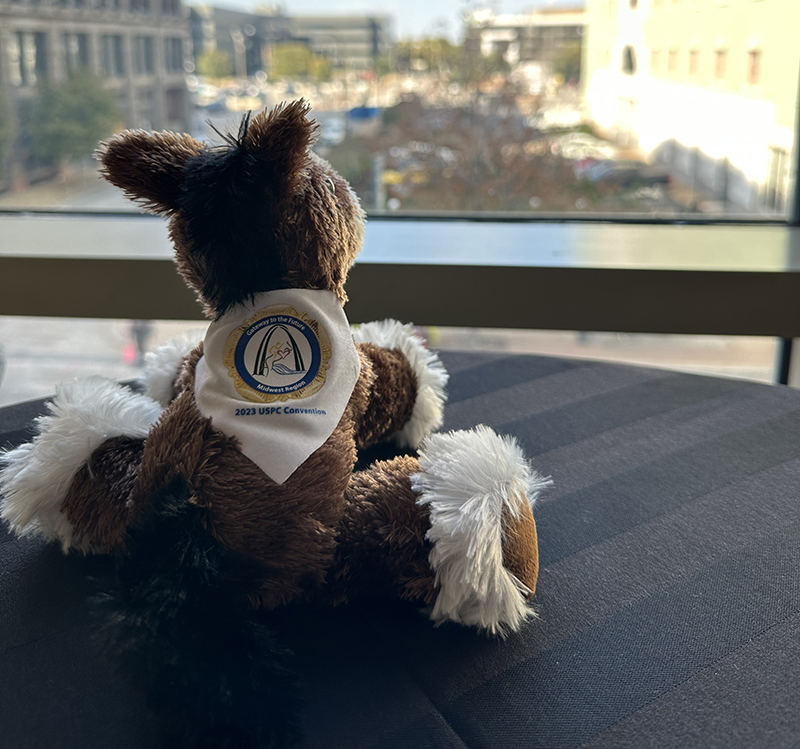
668	601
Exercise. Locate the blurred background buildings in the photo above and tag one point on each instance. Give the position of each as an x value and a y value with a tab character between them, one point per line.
136	48
665	109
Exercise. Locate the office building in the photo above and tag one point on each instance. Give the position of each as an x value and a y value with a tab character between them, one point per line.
138	47
706	87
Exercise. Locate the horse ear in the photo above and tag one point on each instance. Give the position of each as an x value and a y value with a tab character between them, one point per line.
281	137
148	167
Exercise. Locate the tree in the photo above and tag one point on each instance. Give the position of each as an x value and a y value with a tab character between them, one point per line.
438	55
383	65
213	63
475	67
458	63
298	62
69	119
568	61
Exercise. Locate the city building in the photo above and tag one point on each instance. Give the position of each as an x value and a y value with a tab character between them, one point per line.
351	43
246	38
540	36
138	47
705	87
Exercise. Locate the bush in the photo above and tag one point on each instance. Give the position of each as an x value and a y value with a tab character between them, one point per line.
214	63
67	120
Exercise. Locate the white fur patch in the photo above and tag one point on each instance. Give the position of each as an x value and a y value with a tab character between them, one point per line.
35	477
163	364
468	479
428	412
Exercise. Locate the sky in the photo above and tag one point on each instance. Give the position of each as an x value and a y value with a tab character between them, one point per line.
412	18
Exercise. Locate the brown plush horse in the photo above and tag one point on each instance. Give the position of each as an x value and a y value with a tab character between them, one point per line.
228	485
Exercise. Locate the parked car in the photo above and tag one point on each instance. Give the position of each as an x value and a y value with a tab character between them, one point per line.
624	173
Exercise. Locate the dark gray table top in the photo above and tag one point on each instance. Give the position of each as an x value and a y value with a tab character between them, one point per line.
669	597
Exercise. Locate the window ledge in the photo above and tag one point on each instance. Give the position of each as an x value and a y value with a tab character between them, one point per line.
717	279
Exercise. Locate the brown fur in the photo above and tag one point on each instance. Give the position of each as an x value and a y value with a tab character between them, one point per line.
381	546
148	167
98	503
393	394
520	546
317	222
288	222
292	531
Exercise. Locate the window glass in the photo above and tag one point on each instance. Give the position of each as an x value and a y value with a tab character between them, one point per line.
113	56
143	63
36	353
529	108
512	106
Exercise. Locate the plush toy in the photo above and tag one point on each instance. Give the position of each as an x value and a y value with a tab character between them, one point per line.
228	484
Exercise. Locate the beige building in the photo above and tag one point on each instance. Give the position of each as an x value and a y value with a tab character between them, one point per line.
707	87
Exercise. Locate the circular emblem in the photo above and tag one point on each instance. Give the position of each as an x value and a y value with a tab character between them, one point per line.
278	354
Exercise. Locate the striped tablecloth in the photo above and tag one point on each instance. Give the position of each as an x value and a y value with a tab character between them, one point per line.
668	601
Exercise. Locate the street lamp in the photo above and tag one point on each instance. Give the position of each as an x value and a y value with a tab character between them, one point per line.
239	52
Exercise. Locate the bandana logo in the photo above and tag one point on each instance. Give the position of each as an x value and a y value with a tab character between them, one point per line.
278	354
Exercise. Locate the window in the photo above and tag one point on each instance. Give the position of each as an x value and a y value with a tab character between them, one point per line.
28	57
173	54
175	104
694	62
456	130
754	67
113	58
22	72
655	60
76	52
145	109
143	55
720	64
672	60
628	61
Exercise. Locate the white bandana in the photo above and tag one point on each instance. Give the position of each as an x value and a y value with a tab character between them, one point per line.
277	374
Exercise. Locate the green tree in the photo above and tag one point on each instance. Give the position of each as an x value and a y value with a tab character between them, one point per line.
568	61
296	61
67	120
214	63
438	55
383	65
454	62
474	67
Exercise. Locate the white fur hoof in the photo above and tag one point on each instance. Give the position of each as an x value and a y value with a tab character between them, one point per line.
35	477
163	364
428	413
469	480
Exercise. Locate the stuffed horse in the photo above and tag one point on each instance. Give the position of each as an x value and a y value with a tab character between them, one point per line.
227	485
